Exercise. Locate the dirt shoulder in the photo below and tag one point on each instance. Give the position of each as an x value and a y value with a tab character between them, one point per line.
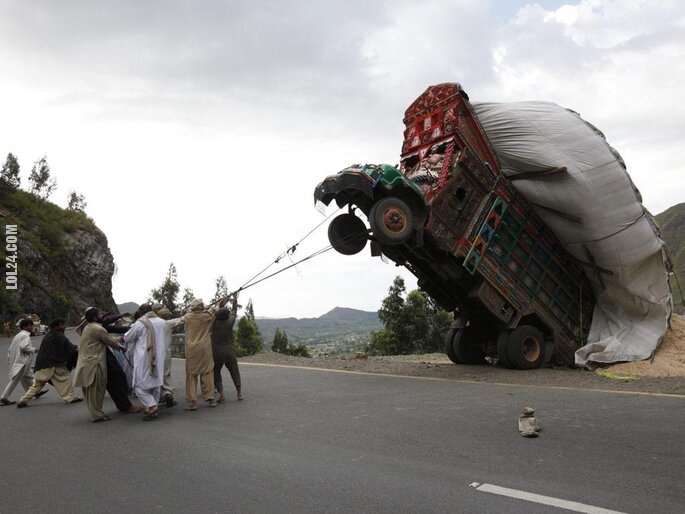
439	366
664	374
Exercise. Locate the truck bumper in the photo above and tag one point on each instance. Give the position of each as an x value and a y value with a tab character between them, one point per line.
342	186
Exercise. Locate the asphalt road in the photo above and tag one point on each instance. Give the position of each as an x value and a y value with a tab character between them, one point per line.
308	440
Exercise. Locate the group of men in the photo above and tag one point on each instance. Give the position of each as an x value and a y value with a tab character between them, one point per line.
138	362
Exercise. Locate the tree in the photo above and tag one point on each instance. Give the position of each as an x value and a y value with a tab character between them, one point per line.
247	337
414	324
188	296
280	342
440	324
77	202
298	351
167	293
42	184
249	310
393	303
221	289
10	171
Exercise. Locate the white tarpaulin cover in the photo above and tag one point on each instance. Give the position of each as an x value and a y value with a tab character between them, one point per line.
596	211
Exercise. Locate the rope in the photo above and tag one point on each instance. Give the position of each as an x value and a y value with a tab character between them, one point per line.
251	282
310	256
289	251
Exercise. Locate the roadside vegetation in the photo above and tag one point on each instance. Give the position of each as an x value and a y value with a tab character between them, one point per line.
413	323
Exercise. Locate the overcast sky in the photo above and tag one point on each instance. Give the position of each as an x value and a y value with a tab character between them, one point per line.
197	131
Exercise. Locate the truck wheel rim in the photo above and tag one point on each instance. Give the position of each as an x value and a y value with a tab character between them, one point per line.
394	220
531	349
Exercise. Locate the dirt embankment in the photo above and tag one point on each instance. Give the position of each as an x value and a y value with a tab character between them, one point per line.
666	374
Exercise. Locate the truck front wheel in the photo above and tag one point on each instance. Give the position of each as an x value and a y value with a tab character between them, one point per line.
392	220
347	234
526	347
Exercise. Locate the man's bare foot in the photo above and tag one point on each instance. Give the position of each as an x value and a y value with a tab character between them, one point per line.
133	409
222	398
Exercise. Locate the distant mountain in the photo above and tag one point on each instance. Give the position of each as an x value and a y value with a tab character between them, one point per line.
336	326
128	307
345	314
672	225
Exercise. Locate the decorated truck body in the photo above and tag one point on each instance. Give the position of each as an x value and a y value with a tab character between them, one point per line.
475	244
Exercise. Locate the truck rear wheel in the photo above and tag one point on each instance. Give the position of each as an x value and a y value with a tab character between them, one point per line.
449	351
347	234
392	220
526	347
503	349
466	347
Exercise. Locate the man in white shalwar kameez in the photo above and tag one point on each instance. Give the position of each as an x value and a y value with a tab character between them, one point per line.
146	351
167	389
19	358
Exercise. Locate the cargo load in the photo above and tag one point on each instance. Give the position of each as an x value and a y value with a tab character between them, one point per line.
596	211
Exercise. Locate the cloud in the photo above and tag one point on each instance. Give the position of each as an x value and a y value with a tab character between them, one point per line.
617	63
216	119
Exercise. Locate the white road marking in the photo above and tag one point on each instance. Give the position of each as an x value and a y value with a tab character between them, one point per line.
538	498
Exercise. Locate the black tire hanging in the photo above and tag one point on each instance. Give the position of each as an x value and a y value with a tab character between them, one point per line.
347	234
526	347
392	220
466	347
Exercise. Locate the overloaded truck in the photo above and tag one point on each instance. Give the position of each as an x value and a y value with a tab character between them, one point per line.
475	245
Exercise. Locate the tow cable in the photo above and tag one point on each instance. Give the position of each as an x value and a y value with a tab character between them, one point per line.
289	252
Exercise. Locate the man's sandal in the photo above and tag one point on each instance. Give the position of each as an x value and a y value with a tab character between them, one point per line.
150	415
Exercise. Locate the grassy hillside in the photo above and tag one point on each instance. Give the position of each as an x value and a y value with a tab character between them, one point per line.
672	225
63	259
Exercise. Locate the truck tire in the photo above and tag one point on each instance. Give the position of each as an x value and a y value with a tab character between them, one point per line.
392	220
347	234
449	351
503	349
526	347
466	348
